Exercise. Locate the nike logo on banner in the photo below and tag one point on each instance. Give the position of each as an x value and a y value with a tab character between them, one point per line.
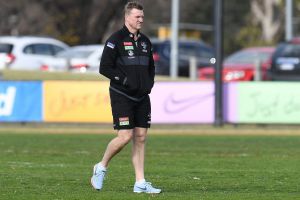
175	105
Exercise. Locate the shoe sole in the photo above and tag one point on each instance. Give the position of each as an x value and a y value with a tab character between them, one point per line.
92	181
94	186
139	192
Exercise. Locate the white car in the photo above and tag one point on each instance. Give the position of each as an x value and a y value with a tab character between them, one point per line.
27	52
83	58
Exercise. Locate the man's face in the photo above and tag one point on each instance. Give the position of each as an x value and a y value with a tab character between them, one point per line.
135	19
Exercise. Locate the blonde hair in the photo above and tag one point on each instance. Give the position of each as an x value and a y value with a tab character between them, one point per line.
131	5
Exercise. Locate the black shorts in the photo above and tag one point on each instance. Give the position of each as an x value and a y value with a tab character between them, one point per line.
128	114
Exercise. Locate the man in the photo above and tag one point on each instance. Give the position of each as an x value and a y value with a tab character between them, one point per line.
127	61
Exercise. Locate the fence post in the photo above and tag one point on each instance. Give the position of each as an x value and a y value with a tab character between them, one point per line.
193	68
257	70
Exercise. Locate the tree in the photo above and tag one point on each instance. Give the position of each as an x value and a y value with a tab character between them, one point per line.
265	23
83	21
75	22
296	18
235	18
267	14
246	23
22	17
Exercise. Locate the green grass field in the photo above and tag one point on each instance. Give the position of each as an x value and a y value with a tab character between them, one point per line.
59	166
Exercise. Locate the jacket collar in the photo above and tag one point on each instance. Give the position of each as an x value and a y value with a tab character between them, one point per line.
128	33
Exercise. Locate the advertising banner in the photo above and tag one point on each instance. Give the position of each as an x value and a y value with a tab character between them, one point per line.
76	101
183	102
20	101
172	102
230	105
269	102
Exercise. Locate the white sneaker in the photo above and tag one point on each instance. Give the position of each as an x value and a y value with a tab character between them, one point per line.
98	176
145	187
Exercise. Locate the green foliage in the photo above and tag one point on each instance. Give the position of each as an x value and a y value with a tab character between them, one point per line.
89	22
251	33
235	18
251	36
45	166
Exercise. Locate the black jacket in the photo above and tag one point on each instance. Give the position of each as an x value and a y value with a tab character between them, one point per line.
128	64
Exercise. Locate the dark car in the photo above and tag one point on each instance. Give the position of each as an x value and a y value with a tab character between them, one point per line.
286	62
187	49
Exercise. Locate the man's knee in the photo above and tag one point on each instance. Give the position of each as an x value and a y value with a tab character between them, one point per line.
140	135
140	138
125	135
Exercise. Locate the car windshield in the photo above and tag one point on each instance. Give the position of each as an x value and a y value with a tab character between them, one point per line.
75	54
5	48
248	57
185	50
289	50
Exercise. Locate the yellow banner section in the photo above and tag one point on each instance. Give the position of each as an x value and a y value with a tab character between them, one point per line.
70	101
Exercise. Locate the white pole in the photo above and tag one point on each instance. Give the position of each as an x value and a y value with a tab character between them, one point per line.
257	75
174	39
193	68
288	20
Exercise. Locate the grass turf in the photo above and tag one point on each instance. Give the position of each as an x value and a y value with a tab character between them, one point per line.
45	166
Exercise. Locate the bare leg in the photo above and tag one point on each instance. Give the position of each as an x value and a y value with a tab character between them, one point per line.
138	152
116	145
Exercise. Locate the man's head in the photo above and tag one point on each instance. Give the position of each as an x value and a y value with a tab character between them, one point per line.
134	16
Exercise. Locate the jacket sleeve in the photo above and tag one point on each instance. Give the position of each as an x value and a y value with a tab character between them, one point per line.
151	67
108	66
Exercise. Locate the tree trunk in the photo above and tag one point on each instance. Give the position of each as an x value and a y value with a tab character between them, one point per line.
266	14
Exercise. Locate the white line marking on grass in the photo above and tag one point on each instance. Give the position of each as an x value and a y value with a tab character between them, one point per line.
31	164
82	152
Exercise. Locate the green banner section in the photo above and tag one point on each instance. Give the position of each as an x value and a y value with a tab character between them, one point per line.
269	102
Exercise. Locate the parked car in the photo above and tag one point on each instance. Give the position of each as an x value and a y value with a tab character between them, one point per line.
286	62
186	48
83	58
240	66
27	52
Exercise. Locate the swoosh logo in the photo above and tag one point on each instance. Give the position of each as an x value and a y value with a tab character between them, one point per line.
144	188
176	105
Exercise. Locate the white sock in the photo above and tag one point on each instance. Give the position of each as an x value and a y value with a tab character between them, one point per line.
140	181
101	166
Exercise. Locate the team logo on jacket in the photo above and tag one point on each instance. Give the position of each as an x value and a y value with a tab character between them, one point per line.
130	53
144	45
